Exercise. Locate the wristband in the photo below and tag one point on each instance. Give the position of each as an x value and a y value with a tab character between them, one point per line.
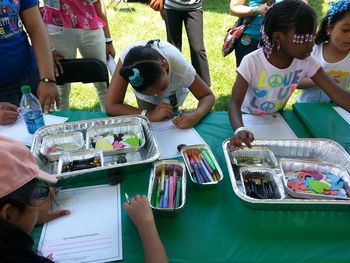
47	80
108	40
144	112
242	129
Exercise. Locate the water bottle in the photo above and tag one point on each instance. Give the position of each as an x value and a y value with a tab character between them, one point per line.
31	110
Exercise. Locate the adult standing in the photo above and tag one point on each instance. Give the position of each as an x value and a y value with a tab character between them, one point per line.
22	63
78	24
189	13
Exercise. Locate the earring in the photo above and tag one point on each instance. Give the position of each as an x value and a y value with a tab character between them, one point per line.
278	47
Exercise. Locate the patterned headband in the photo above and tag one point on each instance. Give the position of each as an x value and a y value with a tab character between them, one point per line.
337	7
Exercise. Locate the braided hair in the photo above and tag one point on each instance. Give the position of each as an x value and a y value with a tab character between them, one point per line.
284	16
336	13
142	66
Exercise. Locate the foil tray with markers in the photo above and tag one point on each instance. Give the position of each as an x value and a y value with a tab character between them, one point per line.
290	174
74	148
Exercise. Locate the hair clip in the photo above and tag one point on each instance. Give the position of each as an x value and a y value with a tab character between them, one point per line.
301	39
136	80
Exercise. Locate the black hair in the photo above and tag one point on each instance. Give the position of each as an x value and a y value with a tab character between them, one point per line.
15	244
290	14
147	60
332	17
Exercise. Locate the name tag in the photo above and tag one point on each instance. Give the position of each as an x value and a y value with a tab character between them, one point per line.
54	4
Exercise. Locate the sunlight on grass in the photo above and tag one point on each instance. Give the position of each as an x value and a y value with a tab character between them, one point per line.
145	24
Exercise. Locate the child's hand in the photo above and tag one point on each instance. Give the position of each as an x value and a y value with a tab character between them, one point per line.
139	211
161	112
45	212
8	113
238	139
186	120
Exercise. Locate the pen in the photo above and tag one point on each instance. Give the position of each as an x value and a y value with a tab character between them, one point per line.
127	198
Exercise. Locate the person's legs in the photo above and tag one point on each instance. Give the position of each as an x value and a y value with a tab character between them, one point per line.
92	45
173	23
66	43
194	29
144	105
245	46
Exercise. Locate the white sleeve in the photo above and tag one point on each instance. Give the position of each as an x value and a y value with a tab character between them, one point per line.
244	68
312	66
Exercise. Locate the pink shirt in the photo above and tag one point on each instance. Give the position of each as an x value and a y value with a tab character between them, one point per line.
73	14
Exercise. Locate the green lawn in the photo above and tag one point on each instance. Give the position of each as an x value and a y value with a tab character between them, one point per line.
144	24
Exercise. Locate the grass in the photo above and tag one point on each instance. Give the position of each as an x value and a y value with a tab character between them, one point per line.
144	24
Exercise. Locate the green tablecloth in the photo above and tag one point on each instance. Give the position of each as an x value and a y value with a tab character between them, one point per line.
322	121
215	226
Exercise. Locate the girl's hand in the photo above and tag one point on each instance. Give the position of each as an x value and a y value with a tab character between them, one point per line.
139	211
161	112
45	212
8	113
186	120
56	62
245	137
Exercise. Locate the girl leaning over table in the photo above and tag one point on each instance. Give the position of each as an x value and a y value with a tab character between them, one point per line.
161	79
25	200
268	76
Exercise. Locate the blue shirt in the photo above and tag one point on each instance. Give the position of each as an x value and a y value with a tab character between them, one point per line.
254	29
16	55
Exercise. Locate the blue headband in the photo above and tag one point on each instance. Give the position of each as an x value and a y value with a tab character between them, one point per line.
136	80
337	7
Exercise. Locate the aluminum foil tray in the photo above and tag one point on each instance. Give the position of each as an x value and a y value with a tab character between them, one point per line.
315	150
160	176
300	175
116	137
200	160
148	153
256	156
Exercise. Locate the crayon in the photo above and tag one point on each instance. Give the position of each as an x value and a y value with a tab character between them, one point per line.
178	192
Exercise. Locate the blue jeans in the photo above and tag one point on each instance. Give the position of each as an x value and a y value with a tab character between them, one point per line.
12	92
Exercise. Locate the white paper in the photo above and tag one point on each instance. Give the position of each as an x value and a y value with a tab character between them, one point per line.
345	115
111	64
169	137
18	130
268	126
91	233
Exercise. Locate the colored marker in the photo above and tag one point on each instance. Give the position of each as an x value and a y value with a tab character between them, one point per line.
162	180
178	192
165	197
209	160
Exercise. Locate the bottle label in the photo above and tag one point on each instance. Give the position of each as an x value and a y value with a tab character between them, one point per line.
34	120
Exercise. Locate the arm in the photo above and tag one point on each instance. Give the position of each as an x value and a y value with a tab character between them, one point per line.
140	213
47	92
306	83
337	94
102	12
206	100
239	9
239	90
115	105
8	113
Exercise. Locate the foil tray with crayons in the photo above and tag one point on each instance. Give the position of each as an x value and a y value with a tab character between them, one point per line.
201	165
167	186
70	149
290	174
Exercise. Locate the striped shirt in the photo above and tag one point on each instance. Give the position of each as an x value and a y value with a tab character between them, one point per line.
183	4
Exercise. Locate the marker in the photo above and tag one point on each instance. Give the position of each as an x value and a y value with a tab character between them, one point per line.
208	159
178	192
162	180
127	198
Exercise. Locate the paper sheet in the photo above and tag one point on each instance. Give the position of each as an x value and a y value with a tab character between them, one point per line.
268	126
18	130
111	64
169	137
345	115
91	233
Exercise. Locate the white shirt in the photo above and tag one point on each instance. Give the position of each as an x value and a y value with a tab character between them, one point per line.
270	87
181	73
340	71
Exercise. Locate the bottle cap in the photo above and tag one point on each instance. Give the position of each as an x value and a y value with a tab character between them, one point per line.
25	89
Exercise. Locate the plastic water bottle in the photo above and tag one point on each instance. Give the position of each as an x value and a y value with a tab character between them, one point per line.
31	110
